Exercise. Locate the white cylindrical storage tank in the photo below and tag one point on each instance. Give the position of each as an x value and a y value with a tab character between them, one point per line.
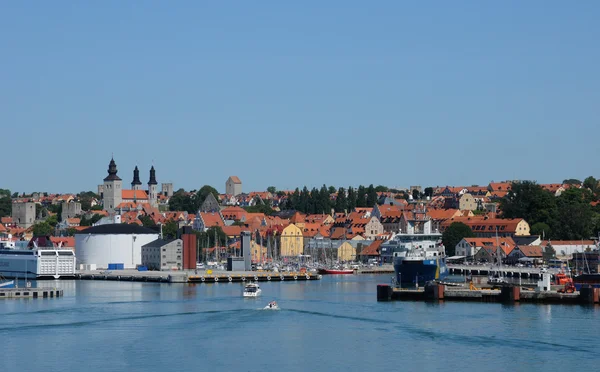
113	244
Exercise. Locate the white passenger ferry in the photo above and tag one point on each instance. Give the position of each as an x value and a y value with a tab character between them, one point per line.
37	263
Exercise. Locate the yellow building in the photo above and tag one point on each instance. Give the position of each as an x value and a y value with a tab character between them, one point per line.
346	252
291	241
258	253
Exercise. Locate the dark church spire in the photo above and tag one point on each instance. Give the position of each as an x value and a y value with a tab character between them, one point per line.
112	171
136	177
152	177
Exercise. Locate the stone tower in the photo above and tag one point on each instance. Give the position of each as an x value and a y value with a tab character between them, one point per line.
112	188
153	188
136	183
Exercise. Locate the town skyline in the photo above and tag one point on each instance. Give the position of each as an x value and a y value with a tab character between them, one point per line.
127	177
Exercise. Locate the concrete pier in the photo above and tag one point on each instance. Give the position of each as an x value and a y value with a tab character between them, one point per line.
196	276
30	293
506	294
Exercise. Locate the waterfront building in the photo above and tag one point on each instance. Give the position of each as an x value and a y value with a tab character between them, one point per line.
162	254
113	243
469	247
291	241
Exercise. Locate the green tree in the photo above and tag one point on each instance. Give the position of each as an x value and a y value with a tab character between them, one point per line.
572	181
15	195
169	229
592	184
540	228
182	201
324	205
42	229
371	196
272	189
260	208
71	231
456	232
147	221
575	215
351	199
5	206
361	197
429	191
85	198
341	203
55	208
416	194
331	190
381	188
4	193
52	221
531	202
202	194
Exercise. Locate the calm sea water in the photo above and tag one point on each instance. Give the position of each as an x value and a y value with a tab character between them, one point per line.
331	325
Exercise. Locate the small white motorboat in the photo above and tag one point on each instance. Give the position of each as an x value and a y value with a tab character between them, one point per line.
272	306
252	290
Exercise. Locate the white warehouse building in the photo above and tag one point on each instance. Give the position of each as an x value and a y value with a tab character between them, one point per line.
113	244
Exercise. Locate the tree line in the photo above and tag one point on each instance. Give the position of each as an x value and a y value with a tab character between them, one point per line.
318	201
570	216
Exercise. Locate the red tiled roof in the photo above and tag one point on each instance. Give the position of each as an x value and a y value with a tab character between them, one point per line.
507	244
235	179
2	228
232	230
441	214
505	225
212	219
500	186
531	250
373	249
67	241
134	194
6	220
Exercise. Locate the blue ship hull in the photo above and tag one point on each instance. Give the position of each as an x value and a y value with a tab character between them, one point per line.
422	271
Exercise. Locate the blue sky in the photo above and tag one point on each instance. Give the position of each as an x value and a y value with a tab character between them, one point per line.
294	93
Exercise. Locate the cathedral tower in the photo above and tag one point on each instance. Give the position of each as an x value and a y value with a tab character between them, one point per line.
112	196
136	183
153	189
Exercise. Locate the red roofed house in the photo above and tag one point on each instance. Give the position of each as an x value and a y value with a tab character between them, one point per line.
485	227
8	222
469	247
372	251
233	213
489	253
533	252
499	186
205	220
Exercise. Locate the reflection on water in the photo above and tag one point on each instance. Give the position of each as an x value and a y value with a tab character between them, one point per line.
323	325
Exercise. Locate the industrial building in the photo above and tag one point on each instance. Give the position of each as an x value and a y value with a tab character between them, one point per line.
113	243
163	254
